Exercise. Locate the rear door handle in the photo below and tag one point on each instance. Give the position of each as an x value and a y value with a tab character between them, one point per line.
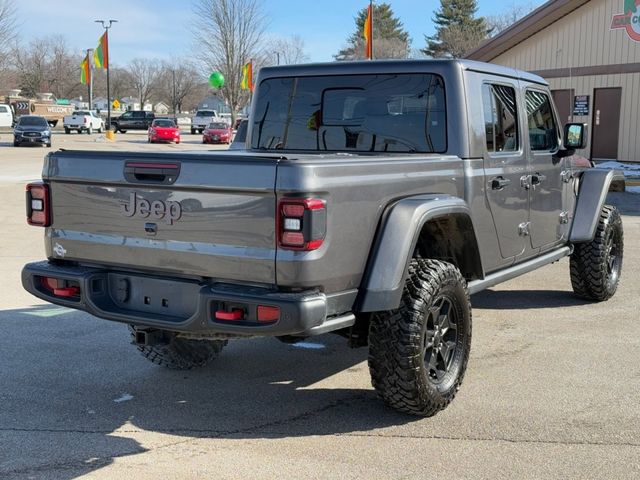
499	183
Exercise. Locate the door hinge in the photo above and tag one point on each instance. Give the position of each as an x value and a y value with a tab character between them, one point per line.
523	229
564	217
566	176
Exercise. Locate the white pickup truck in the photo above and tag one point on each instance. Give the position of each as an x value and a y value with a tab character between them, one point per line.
83	120
202	119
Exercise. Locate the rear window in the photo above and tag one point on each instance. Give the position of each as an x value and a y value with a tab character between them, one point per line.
164	123
360	113
218	125
80	112
205	113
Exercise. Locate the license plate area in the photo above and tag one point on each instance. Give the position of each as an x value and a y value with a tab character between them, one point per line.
167	299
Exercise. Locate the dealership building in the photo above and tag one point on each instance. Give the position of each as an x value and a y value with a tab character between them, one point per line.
589	52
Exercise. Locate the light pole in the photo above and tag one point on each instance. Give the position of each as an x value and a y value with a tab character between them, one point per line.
106	24
90	82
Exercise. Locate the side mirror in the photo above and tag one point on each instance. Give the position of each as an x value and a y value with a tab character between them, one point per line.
575	136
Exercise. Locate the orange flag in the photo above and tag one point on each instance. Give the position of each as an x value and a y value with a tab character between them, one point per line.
368	33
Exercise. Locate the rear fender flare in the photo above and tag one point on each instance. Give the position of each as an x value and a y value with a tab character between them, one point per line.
396	240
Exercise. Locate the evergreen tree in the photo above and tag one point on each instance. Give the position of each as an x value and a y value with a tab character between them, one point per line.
457	29
390	39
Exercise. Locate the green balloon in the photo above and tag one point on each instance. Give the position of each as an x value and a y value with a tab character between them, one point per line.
216	80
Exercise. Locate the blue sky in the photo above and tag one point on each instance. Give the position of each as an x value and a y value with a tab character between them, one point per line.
160	28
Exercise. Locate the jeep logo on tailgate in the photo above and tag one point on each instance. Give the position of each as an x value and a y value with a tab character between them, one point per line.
169	211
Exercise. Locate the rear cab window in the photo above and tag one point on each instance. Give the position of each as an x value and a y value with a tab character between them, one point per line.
500	118
359	113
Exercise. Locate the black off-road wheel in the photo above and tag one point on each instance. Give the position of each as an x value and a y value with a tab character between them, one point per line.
595	266
418	353
183	354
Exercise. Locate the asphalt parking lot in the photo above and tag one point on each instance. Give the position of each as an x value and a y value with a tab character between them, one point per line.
552	389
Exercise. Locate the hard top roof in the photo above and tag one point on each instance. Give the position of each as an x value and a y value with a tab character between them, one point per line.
395	66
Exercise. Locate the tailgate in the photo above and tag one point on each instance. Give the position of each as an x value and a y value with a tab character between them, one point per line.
209	215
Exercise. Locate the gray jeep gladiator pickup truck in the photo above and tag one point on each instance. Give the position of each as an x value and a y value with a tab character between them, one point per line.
373	198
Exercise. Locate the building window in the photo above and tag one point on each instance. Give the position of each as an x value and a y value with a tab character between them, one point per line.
543	133
500	118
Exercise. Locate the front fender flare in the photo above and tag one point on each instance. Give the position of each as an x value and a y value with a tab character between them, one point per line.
396	240
594	186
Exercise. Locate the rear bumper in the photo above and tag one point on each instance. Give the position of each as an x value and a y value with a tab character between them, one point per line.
182	305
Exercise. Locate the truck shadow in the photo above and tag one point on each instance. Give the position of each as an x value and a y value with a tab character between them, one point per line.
525	299
75	395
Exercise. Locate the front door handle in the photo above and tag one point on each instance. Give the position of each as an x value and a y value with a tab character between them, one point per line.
499	183
537	179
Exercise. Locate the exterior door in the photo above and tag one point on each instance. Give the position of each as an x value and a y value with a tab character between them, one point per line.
545	182
563	99
505	162
606	123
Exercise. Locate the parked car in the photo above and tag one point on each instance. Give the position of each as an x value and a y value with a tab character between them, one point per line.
6	116
240	138
83	121
163	130
217	132
132	120
33	130
202	118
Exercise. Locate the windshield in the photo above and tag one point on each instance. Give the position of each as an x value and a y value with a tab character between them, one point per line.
218	126
163	123
361	113
32	122
206	113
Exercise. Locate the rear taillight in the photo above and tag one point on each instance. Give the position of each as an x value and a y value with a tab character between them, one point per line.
38	205
302	223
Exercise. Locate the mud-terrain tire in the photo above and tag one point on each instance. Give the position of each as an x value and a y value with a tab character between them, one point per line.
415	367
183	354
595	266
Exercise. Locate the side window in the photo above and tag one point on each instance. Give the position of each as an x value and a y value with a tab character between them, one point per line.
500	118
543	133
126	115
3	109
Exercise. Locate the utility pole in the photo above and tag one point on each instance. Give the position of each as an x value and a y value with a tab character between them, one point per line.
173	74
106	24
90	82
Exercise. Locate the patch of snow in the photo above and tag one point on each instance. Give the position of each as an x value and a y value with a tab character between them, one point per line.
124	398
629	169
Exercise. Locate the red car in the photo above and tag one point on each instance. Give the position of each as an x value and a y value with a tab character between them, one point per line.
217	132
164	130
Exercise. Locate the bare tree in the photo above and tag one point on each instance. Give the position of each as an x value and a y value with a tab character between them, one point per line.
513	13
145	75
46	65
7	23
458	40
286	51
228	33
178	80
